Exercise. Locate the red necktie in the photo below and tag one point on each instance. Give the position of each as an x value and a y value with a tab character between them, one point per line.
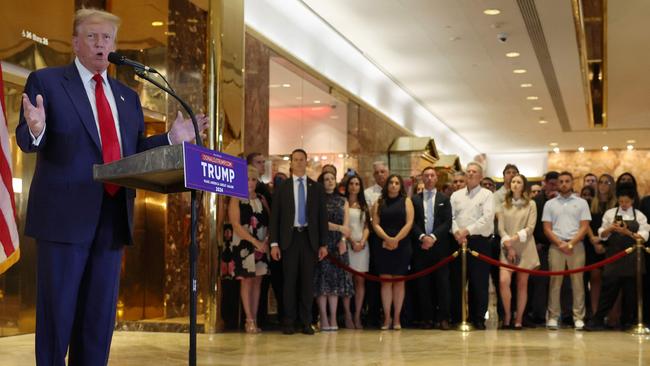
107	133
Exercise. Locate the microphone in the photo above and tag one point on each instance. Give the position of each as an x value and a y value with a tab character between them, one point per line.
118	59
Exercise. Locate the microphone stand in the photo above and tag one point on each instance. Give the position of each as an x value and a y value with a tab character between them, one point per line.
193	249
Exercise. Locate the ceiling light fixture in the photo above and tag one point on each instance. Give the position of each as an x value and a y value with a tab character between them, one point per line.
631	141
286	85
581	149
317	102
543	121
340	155
556	150
324	157
285	158
532	97
512	54
630	147
519	71
553	143
605	148
491	11
526	85
157	23
537	108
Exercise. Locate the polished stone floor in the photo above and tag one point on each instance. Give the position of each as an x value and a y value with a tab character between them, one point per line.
368	347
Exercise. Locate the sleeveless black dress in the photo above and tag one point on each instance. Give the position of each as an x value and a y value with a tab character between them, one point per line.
392	218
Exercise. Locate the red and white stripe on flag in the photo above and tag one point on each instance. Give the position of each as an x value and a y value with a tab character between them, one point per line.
9	251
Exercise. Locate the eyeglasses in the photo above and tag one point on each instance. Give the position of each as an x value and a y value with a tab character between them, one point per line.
605	182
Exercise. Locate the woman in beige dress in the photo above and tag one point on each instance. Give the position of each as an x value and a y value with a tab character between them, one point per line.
516	225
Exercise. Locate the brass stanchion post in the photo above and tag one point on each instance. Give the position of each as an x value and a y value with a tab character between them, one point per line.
464	325
639	328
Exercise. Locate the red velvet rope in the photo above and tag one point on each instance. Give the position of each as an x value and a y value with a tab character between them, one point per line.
370	277
533	272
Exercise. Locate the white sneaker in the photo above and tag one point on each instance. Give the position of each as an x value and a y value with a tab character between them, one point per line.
552	324
579	324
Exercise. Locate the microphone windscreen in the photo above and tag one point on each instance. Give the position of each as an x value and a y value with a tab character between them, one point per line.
115	58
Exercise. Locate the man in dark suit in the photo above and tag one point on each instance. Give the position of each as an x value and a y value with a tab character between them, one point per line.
298	236
430	233
74	117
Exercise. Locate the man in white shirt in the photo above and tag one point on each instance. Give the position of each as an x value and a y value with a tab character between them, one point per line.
380	173
566	221
473	223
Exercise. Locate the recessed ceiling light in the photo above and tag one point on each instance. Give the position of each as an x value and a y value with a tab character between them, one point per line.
512	54
556	150
605	148
519	71
341	155
581	149
526	85
543	121
157	23
630	147
274	85
454	38
532	97
286	85
317	101
316	158
537	108
553	143
285	158
491	11
631	141
324	157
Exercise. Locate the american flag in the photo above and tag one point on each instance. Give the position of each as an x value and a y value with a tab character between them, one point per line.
9	251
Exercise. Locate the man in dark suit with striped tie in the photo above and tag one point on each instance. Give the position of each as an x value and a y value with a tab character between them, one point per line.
298	236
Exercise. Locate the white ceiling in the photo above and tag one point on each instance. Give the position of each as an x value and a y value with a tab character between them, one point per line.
447	56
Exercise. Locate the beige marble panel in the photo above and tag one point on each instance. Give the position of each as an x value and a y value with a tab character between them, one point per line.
611	162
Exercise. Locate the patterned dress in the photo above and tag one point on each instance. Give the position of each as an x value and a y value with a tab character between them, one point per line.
246	261
329	279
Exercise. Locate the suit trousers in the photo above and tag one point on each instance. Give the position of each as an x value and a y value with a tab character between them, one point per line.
77	288
559	261
438	281
612	285
538	288
479	277
298	264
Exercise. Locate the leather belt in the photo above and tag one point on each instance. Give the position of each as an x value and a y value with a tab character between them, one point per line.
300	229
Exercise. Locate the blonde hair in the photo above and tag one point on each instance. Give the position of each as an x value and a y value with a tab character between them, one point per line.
253	172
83	15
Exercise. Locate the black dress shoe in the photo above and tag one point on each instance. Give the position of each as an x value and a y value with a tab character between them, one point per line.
426	325
444	325
307	330
594	326
287	329
479	326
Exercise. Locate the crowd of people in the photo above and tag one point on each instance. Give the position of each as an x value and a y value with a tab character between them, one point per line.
384	231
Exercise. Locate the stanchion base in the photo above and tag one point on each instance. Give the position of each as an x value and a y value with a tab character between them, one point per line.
639	329
465	327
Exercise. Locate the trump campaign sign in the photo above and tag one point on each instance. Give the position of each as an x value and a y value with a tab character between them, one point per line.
211	171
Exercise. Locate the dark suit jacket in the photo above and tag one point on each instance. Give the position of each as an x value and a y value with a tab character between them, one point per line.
283	214
64	200
441	218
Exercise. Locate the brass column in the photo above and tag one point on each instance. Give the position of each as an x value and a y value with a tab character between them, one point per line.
639	328
226	108
464	325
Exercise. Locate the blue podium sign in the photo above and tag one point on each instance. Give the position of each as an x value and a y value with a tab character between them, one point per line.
211	171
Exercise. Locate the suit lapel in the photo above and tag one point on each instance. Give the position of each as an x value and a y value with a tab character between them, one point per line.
74	87
121	115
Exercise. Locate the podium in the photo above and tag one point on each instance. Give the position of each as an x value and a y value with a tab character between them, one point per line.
159	170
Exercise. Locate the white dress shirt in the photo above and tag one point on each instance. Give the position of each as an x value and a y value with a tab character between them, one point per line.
609	217
473	210
372	194
427	219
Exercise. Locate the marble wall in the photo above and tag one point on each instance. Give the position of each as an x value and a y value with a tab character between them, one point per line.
256	96
369	137
186	62
636	162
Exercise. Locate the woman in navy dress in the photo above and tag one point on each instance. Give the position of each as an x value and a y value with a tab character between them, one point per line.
392	220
